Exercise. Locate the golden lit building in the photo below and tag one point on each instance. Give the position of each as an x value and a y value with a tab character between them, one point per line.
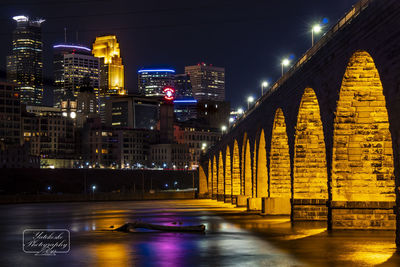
111	69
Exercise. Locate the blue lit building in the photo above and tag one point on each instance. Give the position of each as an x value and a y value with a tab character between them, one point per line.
185	109
151	82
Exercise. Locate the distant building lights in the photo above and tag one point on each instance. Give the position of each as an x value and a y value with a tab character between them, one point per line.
72	46
157	70
185	101
20	18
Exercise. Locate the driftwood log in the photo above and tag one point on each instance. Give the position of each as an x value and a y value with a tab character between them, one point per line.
131	226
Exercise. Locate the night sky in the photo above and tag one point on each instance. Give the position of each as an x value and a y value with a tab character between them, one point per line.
248	38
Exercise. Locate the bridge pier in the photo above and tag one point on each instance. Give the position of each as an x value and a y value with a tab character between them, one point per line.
276	206
241	201
227	199
377	215
310	210
254	204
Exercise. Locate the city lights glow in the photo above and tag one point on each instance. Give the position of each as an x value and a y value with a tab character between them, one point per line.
72	46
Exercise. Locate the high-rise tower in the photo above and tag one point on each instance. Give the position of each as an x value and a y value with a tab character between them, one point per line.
73	63
25	65
208	82
111	69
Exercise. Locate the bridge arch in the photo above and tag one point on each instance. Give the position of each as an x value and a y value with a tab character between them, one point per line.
362	164
280	182
247	179
261	167
235	170
220	176
310	176
228	173
215	178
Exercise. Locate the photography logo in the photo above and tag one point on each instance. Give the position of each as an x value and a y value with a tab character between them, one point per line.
46	242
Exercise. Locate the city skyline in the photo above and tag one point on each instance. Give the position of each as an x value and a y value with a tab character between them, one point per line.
146	41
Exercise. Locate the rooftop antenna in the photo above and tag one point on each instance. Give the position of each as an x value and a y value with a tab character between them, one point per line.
65	35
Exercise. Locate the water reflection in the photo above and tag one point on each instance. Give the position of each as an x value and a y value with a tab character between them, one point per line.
110	254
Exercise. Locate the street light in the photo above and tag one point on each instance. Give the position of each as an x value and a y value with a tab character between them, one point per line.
264	84
250	99
231	120
93	188
240	111
315	29
223	128
285	63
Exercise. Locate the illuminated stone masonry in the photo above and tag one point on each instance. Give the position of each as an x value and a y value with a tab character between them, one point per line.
220	184
310	176
228	177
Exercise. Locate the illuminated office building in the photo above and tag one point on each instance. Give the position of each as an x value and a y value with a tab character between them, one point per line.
25	65
208	82
151	82
72	63
183	86
111	69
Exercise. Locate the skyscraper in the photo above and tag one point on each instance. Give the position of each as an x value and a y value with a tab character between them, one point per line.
71	64
151	82
111	69
24	65
208	82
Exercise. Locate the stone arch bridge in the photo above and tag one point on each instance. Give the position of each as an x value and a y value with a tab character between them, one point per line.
323	143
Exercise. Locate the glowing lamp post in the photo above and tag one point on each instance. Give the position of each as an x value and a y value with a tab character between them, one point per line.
250	99
223	129
285	63
315	29
263	85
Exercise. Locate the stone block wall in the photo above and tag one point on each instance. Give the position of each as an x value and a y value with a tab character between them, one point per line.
309	210
363	215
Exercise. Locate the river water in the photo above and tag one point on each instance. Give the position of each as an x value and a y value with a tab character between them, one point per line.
233	237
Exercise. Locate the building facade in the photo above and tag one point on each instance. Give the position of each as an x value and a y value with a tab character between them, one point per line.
151	82
197	138
208	82
170	156
136	112
106	48
49	135
72	63
183	86
10	115
25	64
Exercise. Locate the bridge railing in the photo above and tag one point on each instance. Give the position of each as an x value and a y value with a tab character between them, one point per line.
344	21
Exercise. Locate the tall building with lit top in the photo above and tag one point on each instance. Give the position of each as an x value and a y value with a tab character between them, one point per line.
25	65
151	82
208	82
111	69
73	63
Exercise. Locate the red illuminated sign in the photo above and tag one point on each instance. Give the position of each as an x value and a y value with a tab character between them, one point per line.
169	93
